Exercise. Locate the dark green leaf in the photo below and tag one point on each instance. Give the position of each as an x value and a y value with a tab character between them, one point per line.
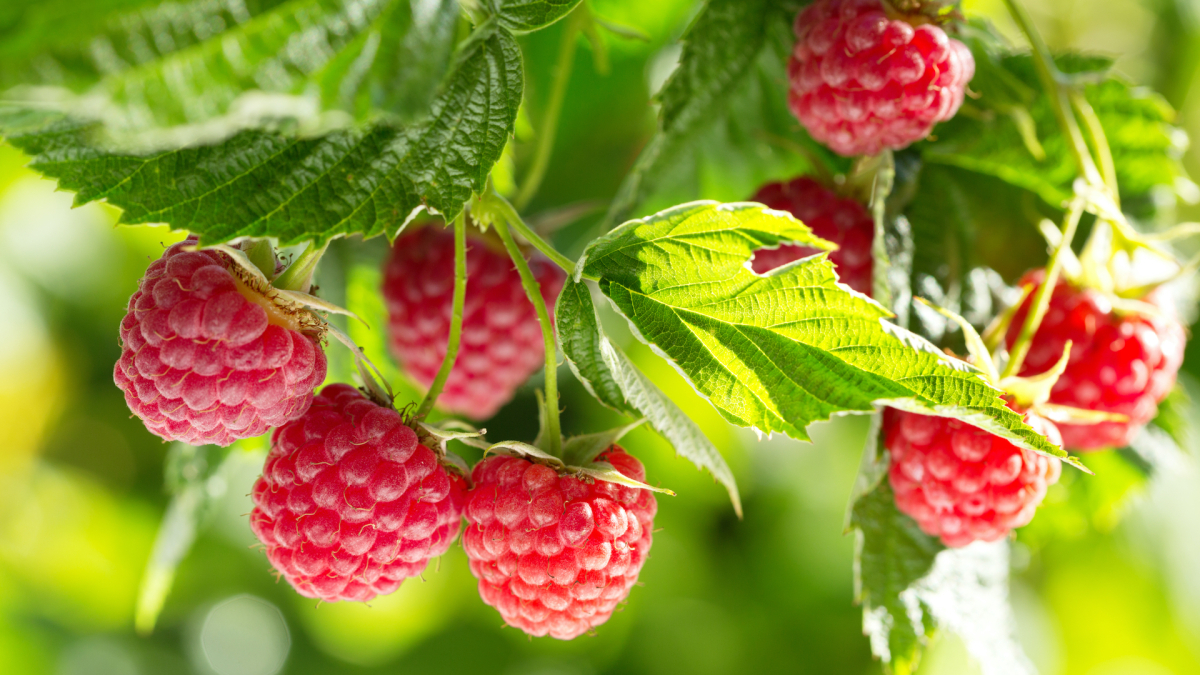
527	15
616	382
781	351
264	183
719	49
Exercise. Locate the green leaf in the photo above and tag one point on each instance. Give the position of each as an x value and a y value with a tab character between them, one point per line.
262	183
528	15
891	555
177	63
719	49
616	382
987	136
780	351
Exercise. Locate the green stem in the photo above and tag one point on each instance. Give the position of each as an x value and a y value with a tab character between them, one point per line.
1041	299
1053	82
509	213
456	318
298	276
1108	168
553	430
558	94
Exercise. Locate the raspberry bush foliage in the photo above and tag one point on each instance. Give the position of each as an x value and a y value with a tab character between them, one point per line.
896	160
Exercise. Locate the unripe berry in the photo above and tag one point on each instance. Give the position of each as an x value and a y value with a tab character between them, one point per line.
1120	363
349	503
842	221
501	343
861	82
555	554
961	483
207	357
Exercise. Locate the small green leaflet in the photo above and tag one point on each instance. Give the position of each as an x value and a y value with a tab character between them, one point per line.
1002	133
258	183
617	383
719	49
184	63
780	351
527	15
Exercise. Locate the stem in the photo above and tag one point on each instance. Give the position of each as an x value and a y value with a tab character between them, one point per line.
456	318
1108	167
534	291
1041	299
298	276
509	213
1053	82
558	94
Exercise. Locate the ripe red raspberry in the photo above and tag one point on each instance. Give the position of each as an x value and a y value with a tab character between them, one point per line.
845	222
350	504
1120	363
861	83
206	357
962	483
555	554
501	338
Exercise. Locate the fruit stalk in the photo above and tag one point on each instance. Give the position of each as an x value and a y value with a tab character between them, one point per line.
1041	299
1052	81
558	94
509	213
534	291
456	318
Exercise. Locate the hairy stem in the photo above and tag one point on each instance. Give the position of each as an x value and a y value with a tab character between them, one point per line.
509	213
533	289
456	317
1041	299
1053	82
558	94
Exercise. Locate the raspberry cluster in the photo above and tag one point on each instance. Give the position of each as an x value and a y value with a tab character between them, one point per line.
501	338
861	82
1119	363
349	504
844	222
206	358
964	484
555	554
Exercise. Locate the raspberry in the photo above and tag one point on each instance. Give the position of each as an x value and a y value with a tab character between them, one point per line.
206	357
845	222
350	504
1119	363
555	554
861	83
501	338
961	483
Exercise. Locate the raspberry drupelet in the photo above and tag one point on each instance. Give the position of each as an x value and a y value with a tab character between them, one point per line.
961	483
1119	363
842	221
350	504
208	357
862	82
501	338
556	554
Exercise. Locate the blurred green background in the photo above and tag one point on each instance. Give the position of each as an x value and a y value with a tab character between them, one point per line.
1106	579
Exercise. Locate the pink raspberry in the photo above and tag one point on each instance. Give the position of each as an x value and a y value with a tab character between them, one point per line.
1120	363
501	338
961	483
555	554
845	222
350	504
861	82
207	357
